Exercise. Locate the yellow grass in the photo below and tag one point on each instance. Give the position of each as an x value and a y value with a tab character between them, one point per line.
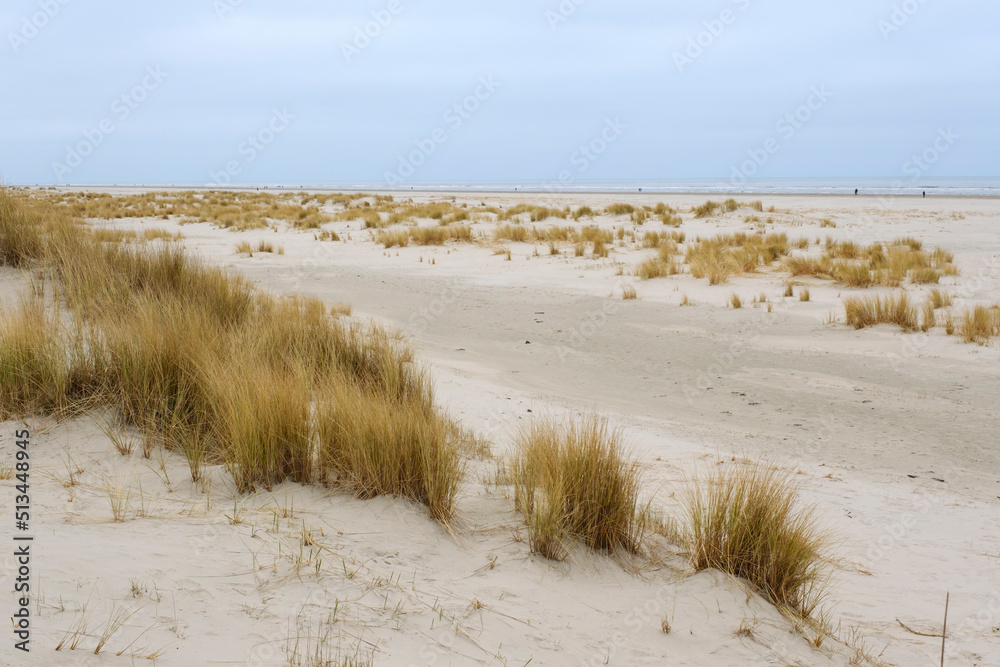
706	210
853	274
720	257
35	373
389	239
200	361
654	267
940	299
888	265
979	324
575	480
515	233
619	209
928	320
747	521
868	311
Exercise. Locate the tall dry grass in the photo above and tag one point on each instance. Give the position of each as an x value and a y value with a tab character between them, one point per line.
723	256
576	480
199	361
747	521
868	311
35	371
376	446
888	265
979	323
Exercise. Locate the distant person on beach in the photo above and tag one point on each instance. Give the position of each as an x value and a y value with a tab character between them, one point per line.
855	191
925	194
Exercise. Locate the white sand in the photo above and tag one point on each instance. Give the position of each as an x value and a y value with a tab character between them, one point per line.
854	413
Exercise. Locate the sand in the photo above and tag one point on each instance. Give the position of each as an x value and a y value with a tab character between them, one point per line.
891	436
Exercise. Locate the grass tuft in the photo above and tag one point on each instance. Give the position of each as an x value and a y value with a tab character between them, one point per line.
576	479
895	309
746	521
979	324
198	360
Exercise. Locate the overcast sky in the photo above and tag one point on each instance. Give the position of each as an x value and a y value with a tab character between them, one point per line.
296	91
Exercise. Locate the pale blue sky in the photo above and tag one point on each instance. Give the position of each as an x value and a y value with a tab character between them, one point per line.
224	71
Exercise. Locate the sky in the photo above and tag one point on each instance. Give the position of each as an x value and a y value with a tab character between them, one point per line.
418	91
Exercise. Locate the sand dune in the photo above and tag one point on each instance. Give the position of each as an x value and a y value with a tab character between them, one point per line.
891	436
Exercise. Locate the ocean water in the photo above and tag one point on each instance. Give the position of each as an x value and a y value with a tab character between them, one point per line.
810	186
968	187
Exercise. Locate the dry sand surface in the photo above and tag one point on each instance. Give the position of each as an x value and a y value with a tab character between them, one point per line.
892	437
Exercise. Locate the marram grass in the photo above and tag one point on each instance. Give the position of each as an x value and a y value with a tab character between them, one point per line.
576	480
747	521
200	361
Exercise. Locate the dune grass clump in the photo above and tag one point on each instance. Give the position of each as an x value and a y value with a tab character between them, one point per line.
237	211
654	267
159	234
34	370
620	209
895	309
809	266
925	276
375	446
979	324
199	361
928	320
21	232
396	237
747	522
441	234
533	212
940	299
600	249
842	249
540	213
576	480
652	240
888	265
706	210
720	257
852	274
515	233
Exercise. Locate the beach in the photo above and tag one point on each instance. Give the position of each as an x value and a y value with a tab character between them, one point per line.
889	435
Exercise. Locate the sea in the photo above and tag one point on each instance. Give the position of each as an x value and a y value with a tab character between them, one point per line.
986	187
965	187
